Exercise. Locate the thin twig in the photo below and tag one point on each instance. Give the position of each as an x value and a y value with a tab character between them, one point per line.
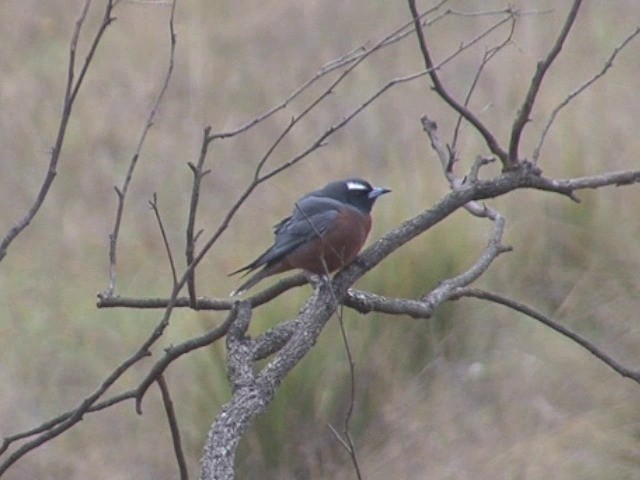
174	352
355	55
198	173
522	118
488	136
142	352
486	58
71	91
154	206
349	443
173	426
8	440
607	65
549	322
320	141
203	303
122	191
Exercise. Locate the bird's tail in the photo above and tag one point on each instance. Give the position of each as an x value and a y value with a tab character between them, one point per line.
249	283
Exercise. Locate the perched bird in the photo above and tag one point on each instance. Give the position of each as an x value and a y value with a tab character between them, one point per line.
324	233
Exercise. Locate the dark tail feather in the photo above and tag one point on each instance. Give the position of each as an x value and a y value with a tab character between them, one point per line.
246	267
249	283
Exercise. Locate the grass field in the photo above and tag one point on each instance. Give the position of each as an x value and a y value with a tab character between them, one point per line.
478	392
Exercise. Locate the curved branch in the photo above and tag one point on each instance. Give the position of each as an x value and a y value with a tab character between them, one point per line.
176	351
546	320
607	65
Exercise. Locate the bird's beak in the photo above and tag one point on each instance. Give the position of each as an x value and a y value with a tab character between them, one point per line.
376	192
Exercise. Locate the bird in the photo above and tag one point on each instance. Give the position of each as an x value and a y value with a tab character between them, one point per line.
325	232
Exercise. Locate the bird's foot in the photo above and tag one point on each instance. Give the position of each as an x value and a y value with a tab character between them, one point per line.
317	281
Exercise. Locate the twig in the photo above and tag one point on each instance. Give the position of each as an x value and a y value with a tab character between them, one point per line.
142	352
365	302
523	114
75	416
355	55
174	352
486	58
203	303
198	173
71	91
348	444
122	191
7	441
319	142
154	206
489	138
546	320
607	65
173	426
171	353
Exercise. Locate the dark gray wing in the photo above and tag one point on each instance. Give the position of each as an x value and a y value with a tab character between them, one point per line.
311	217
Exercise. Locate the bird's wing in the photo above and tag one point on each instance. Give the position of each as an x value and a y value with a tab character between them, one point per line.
310	218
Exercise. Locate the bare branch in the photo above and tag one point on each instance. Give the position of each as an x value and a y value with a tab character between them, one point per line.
546	320
489	138
154	206
198	174
71	91
320	141
173	426
122	191
365	302
203	303
570	185
487	57
347	442
523	114
355	55
607	65
7	441
176	351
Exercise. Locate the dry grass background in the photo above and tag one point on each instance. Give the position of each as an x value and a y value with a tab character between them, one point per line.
476	393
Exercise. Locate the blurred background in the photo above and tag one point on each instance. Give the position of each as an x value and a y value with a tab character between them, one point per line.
478	392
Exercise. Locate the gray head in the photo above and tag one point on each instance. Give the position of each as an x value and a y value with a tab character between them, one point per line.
353	191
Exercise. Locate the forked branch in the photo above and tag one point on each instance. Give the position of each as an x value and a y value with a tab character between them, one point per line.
536	82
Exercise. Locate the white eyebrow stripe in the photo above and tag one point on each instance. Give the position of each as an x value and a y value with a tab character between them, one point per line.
356	186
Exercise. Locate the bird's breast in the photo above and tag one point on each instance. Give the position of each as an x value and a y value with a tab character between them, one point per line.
336	247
